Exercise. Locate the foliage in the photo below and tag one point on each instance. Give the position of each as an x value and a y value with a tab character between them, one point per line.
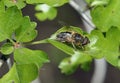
21	3
99	47
104	19
45	12
97	2
16	30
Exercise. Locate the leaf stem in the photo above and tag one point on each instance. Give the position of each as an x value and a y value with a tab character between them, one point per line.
11	41
38	42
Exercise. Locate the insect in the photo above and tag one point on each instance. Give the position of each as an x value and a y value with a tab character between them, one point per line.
73	38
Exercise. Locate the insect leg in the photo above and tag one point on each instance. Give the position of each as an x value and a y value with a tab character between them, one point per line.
74	46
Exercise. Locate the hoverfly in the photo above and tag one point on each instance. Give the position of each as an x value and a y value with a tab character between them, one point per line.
74	38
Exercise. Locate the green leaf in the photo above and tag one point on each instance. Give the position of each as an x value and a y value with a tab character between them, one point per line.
97	44
119	63
46	12
113	34
107	47
81	57
12	21
19	3
7	48
99	2
27	31
27	72
11	76
69	65
85	66
112	46
41	16
24	73
9	21
49	2
27	56
108	16
2	8
112	58
65	48
26	66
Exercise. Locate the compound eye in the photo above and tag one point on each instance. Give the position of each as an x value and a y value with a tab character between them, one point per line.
78	38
